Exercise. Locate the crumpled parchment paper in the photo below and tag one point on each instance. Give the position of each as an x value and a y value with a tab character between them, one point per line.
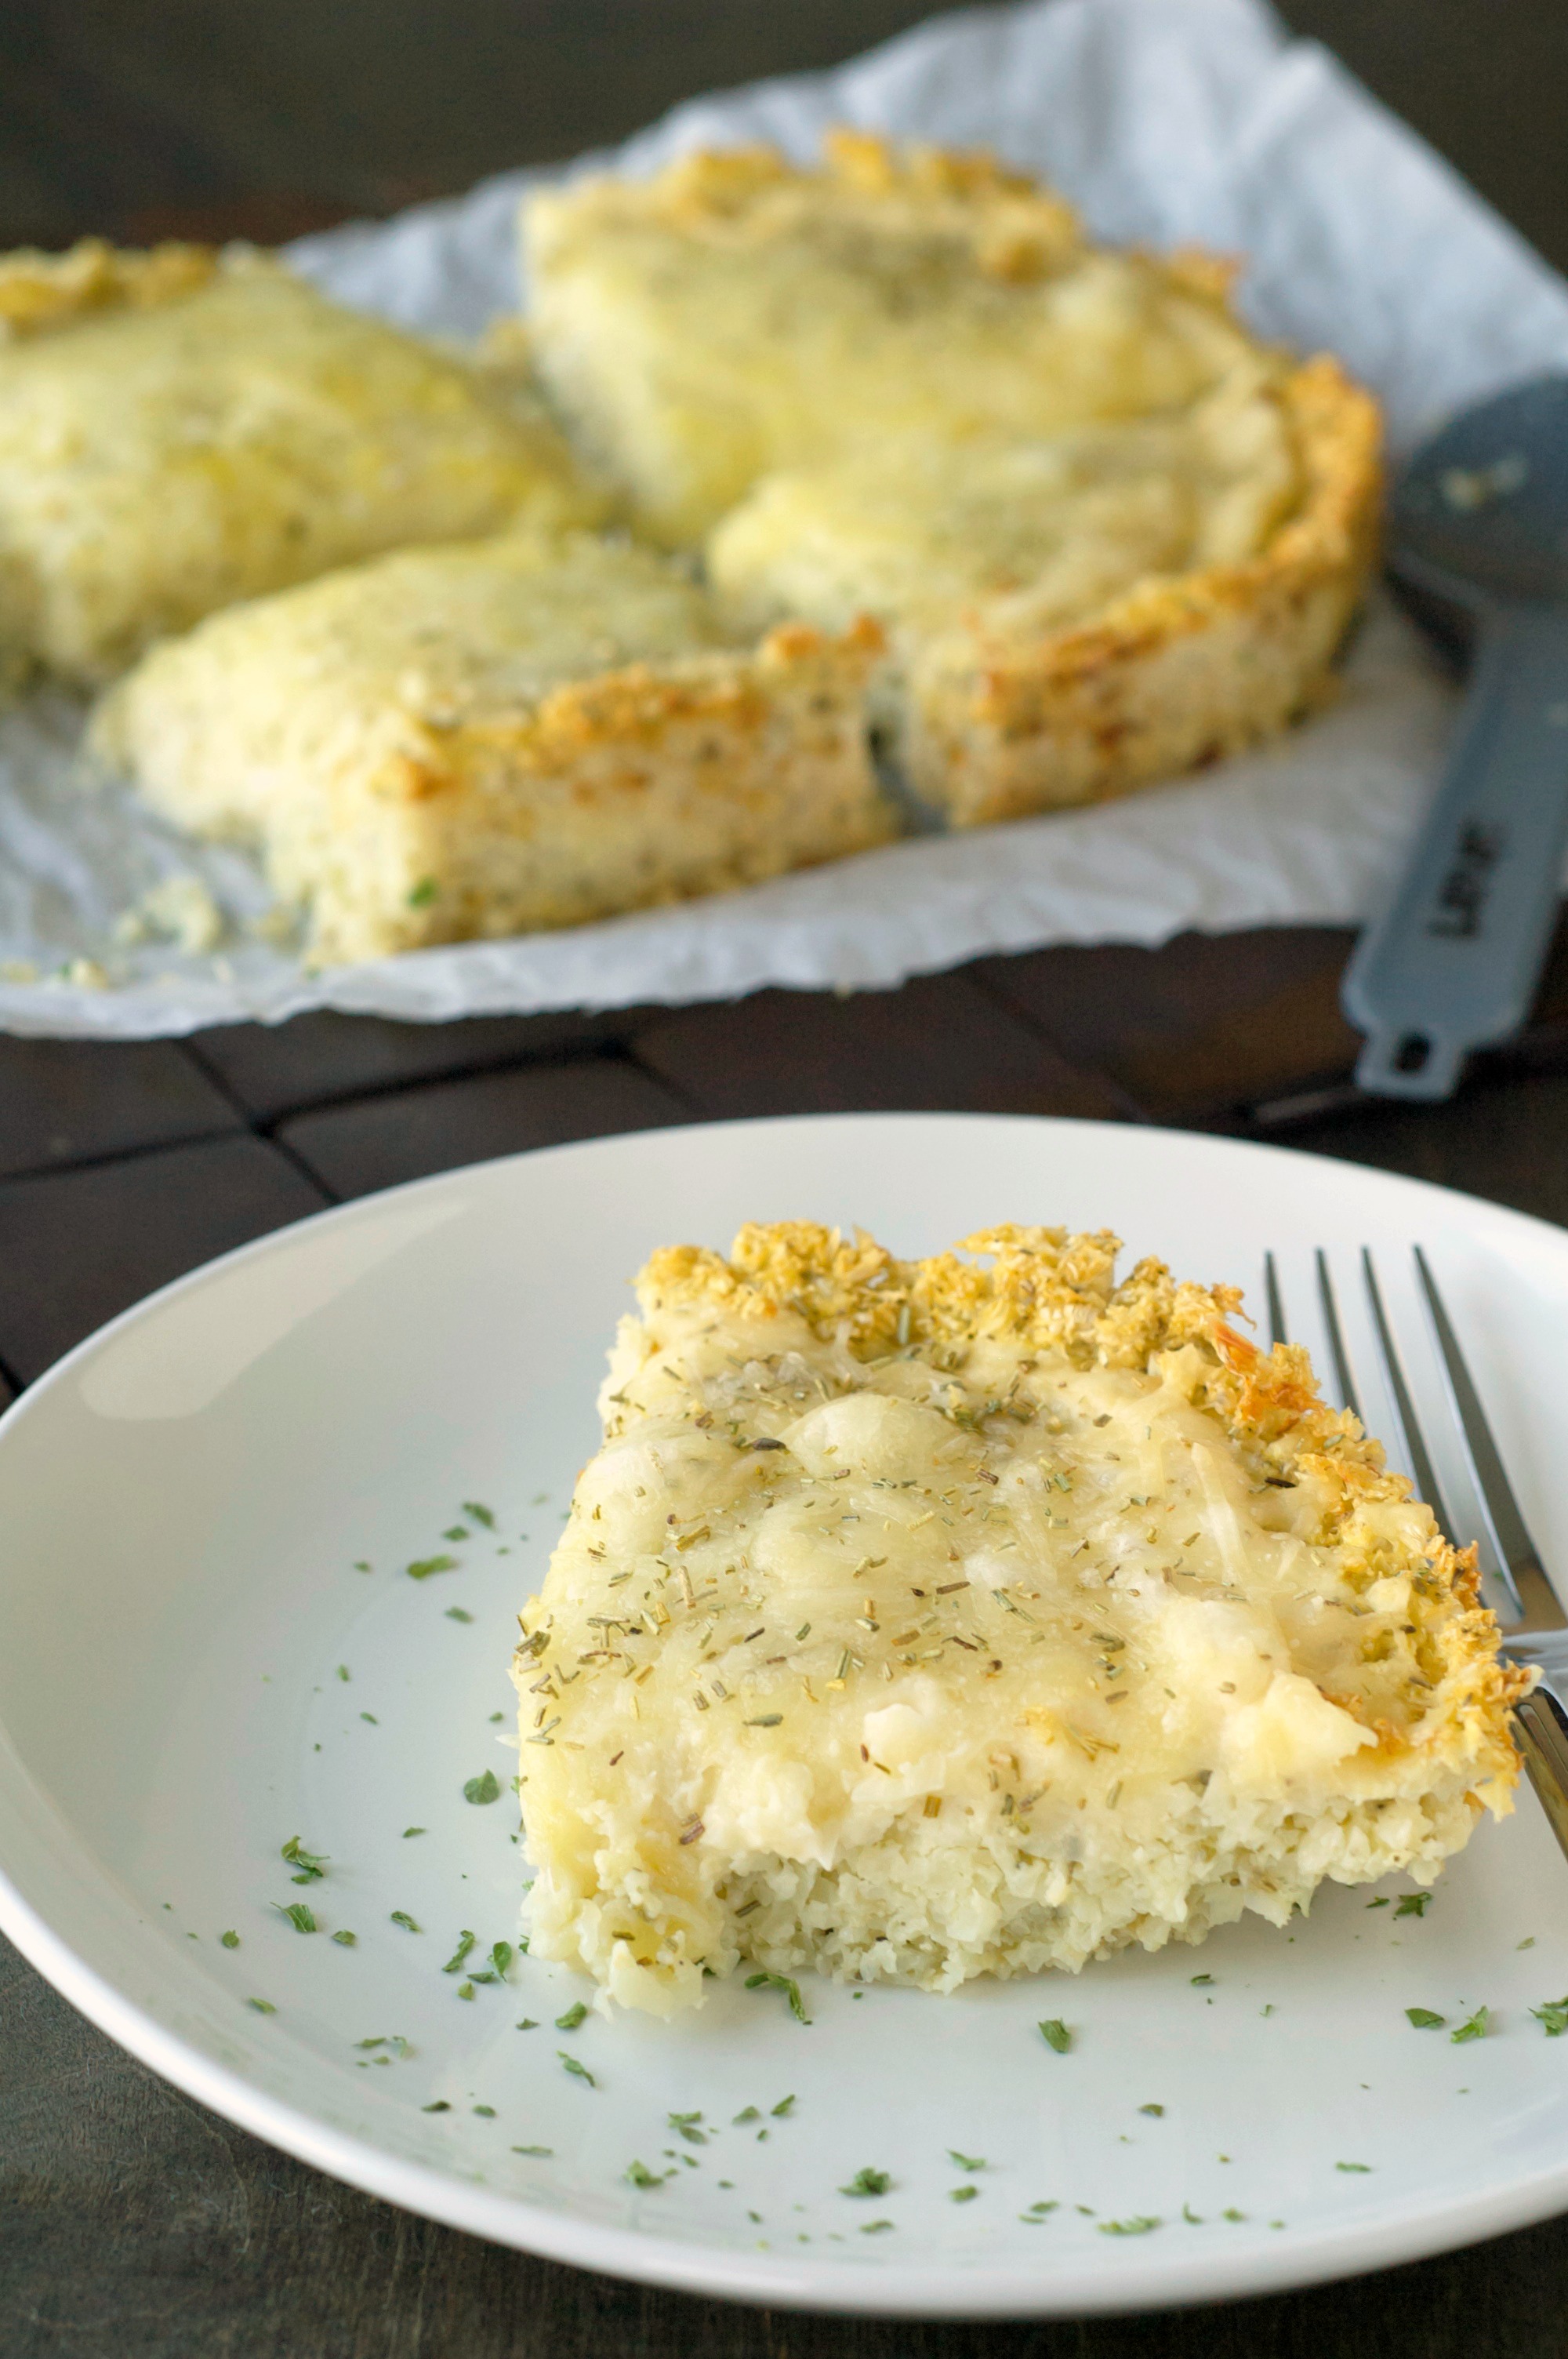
1167	122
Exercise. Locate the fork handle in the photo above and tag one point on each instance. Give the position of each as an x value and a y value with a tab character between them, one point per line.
1543	1740
1454	960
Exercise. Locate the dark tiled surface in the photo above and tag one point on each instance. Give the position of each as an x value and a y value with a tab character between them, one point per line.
355	1148
66	1101
1510	1142
273	1070
77	1246
1208	1024
941	1041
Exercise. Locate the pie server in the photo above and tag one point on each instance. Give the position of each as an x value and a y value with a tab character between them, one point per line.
1480	521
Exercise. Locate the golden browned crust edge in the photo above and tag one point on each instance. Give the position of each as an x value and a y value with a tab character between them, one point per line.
635	705
40	291
1050	1290
1242	649
1019	230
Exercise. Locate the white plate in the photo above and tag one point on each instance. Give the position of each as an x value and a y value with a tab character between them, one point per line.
184	1501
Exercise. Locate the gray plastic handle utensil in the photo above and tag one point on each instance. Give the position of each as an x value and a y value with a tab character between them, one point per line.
1480	520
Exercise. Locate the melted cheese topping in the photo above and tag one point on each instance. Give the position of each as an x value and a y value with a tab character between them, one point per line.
1044	532
830	1626
733	317
159	462
440	638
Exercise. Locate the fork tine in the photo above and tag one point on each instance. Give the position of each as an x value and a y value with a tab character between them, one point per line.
1335	1339
1516	1554
1425	1474
1276	1307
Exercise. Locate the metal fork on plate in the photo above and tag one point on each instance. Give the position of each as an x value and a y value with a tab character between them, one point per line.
1536	1630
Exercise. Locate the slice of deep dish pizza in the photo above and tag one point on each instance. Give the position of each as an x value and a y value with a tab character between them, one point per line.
974	1615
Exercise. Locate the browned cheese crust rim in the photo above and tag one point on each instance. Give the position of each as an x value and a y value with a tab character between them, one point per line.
986	743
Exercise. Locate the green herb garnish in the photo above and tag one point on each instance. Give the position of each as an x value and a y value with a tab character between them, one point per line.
465	1943
459	1614
751	2114
872	2228
1554	2015
345	1939
394	2040
785	2105
1361	2167
1138	2227
420	896
1056	2035
401	1916
781	1983
637	2172
1476	2029
1158	2110
302	1918
868	2181
230	1940
486	2113
484	1788
501	1956
572	2018
423	1566
686	2123
533	2149
414	1831
262	2006
456	1532
765	1720
312	1865
962	2194
1201	1981
1413	1904
576	2068
1379	1904
1424	2018
440	2106
967	2161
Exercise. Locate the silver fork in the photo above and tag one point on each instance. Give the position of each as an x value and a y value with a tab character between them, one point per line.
1537	1630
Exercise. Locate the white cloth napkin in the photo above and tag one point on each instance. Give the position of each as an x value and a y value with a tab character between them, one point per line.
1166	121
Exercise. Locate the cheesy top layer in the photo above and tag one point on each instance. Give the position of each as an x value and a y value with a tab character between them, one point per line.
446	637
735	316
1041	532
1003	1555
160	458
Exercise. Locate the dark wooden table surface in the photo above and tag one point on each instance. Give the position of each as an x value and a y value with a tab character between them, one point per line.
132	2221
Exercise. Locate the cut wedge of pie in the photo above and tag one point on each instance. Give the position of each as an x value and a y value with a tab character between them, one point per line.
923	1620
